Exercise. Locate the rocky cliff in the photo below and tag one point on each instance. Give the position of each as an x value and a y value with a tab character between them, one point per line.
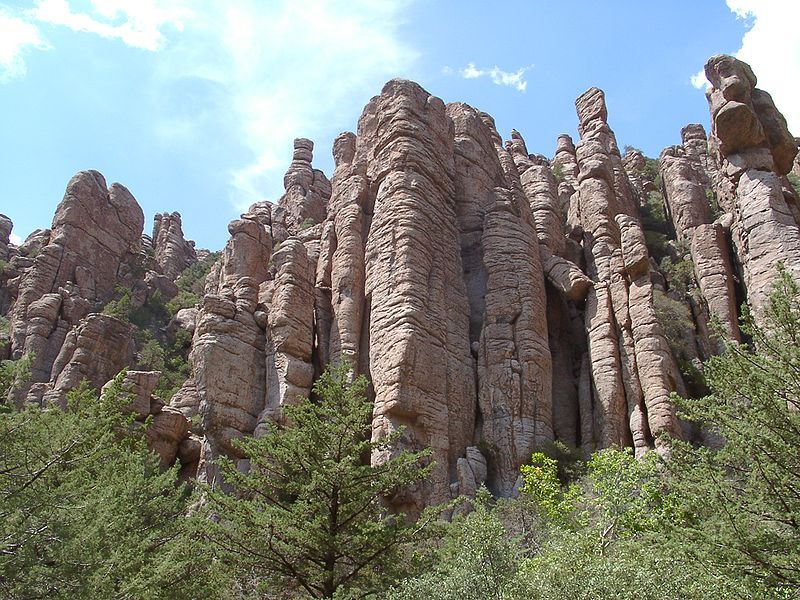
496	300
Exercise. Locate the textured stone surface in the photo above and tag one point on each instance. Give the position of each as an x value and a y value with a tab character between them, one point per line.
5	231
290	372
95	351
493	298
714	273
307	192
173	253
753	148
629	376
92	248
418	326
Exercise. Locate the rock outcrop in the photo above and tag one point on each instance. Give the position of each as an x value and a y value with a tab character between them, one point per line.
172	252
496	301
631	367
92	248
753	148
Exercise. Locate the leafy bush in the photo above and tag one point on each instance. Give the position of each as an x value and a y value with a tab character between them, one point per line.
678	273
653	214
676	322
740	501
477	560
120	306
310	511
558	172
191	284
795	181
14	372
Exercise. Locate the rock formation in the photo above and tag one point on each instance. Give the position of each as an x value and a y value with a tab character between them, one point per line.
171	251
92	247
753	148
631	366
496	300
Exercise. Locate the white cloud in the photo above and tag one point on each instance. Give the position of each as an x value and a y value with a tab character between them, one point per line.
276	70
498	76
15	239
16	37
772	47
137	23
699	80
287	69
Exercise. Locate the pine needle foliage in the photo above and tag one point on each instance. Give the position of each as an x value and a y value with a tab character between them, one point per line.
310	514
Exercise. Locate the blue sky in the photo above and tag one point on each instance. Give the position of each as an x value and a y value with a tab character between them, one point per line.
193	104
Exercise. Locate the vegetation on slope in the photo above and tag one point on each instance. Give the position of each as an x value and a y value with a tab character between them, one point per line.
87	514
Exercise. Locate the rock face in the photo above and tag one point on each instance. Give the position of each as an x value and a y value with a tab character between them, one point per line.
753	148
307	192
496	300
632	370
171	251
92	247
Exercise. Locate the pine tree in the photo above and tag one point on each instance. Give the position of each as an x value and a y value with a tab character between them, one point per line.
742	501
310	513
85	511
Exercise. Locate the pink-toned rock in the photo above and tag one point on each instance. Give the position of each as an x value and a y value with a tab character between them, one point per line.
564	275
753	147
419	352
349	198
714	274
173	253
685	185
307	192
95	351
617	311
91	249
290	339
634	248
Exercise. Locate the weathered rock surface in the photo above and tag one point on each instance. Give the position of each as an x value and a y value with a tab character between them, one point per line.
307	193
172	252
92	247
495	300
629	374
753	148
95	351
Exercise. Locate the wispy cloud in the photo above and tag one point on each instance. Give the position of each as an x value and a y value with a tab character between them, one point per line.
515	80
15	239
17	36
289	69
699	80
137	23
268	71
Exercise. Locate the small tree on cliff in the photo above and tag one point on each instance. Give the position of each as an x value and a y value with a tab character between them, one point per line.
310	513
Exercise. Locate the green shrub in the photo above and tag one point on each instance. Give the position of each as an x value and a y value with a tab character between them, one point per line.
653	213
121	306
676	322
795	181
558	172
191	284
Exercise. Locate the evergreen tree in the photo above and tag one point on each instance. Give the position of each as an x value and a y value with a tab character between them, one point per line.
742	501
309	516
85	511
